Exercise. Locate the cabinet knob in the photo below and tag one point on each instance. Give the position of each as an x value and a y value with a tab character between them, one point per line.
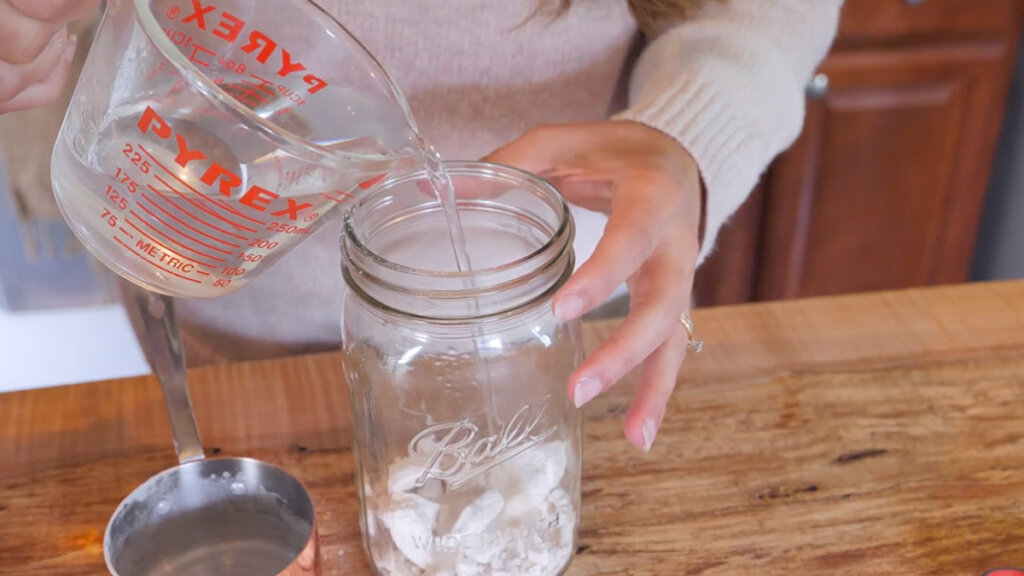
818	86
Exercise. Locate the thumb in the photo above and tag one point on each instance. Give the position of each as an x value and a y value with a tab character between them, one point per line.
55	10
541	148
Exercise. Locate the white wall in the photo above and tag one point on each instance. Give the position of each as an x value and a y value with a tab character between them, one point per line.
58	320
66	346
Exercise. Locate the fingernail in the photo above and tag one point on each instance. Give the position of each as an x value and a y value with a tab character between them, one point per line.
57	40
649	430
552	172
568	308
586	390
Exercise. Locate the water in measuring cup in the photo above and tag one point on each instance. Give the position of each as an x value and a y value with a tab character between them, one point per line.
166	224
127	194
248	535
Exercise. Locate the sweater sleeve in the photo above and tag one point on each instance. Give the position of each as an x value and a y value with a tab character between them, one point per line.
728	85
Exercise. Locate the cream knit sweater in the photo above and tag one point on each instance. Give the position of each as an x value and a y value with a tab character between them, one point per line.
727	84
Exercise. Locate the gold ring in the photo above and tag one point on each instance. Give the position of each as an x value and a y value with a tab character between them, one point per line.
691	342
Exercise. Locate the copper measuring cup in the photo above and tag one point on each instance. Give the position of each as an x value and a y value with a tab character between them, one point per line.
204	517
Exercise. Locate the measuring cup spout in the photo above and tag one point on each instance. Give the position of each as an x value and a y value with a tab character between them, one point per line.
153	320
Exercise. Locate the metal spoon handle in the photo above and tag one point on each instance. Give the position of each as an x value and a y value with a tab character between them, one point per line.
156	328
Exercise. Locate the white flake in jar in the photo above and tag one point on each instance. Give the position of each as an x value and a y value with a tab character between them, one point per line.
410	521
534	473
475	517
522	523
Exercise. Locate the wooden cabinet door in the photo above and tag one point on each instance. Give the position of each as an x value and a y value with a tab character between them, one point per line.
729	275
885	186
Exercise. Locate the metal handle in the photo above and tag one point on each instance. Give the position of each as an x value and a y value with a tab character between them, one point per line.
818	86
155	326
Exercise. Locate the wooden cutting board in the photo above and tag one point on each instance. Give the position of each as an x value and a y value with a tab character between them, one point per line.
868	434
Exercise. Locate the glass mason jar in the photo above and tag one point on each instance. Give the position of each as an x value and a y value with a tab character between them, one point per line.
468	448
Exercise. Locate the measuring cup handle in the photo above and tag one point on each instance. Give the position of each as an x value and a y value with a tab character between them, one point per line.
156	328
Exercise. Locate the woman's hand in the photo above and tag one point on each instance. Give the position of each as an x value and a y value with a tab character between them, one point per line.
650	187
35	50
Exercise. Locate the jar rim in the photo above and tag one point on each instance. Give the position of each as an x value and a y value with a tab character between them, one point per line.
460	320
497	291
460	168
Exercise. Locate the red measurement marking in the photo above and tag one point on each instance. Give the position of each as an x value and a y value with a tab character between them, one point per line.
237	213
342	196
164	248
186	185
369	183
154	264
191	215
220	203
200	242
203	272
227	207
200	206
186	224
253	97
126	233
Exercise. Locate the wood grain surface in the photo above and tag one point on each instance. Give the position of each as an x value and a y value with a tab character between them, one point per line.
867	434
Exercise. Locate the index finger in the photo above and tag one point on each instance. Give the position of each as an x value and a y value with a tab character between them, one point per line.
541	148
635	227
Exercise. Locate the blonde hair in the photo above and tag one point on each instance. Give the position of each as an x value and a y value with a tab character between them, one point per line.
651	15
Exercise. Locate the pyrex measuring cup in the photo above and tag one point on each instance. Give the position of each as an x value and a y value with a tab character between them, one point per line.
216	517
206	138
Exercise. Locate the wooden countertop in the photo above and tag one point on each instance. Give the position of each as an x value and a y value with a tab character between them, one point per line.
869	434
